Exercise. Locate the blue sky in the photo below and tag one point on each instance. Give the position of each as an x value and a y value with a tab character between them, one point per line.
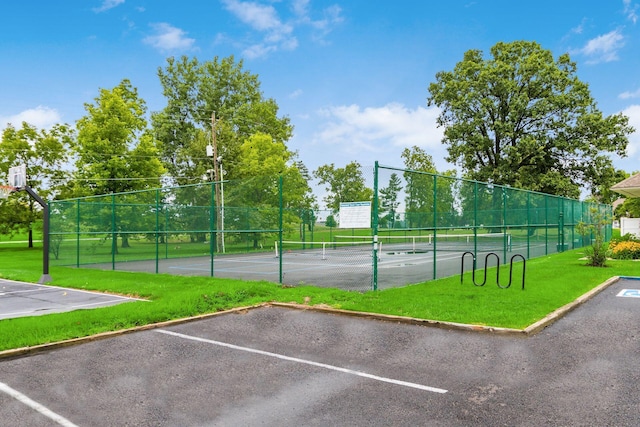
351	75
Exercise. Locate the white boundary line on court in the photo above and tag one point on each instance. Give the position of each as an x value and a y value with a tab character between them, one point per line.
36	406
303	361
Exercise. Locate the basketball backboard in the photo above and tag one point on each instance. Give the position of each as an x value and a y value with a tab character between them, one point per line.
18	176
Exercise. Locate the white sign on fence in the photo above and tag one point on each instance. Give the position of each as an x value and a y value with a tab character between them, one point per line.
355	215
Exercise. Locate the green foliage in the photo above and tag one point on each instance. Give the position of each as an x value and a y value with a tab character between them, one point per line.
523	119
115	150
45	154
213	96
598	250
343	184
389	202
420	197
625	247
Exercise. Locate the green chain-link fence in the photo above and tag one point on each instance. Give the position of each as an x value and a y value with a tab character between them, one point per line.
256	229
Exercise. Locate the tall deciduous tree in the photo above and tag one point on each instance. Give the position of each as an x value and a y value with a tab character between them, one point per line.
44	153
343	184
214	96
262	162
524	119
116	151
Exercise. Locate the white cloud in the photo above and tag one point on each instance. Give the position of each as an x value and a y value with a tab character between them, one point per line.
629	95
40	117
275	32
631	10
373	128
168	38
107	4
257	16
633	112
296	94
603	48
264	19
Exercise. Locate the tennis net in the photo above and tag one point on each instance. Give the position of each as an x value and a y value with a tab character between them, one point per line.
443	242
323	249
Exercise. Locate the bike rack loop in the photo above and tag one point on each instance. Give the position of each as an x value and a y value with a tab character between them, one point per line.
486	261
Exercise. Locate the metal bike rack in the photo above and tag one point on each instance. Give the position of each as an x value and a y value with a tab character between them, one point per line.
486	261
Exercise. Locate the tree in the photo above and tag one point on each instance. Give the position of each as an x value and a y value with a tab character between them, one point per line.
419	190
262	162
525	120
116	151
214	96
44	153
389	201
343	184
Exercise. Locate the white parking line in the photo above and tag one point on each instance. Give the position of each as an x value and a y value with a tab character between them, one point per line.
36	406
306	362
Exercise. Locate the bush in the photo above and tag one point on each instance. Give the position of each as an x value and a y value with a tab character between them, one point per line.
597	252
625	249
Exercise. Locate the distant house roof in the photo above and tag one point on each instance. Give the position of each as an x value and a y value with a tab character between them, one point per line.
630	187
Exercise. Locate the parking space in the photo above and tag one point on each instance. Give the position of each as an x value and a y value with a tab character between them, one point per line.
286	367
19	299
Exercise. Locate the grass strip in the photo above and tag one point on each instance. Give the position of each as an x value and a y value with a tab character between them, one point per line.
552	282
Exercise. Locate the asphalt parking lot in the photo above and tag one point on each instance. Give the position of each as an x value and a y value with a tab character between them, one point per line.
19	299
287	367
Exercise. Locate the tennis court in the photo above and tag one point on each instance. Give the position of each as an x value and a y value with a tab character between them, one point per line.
420	237
345	263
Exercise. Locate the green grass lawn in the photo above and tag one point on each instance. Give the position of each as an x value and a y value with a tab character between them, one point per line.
552	282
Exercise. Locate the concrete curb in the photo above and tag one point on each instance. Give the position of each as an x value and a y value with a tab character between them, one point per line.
530	330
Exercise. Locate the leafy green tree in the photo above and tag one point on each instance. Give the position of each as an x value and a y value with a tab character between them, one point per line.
419	189
343	184
217	96
44	153
523	119
116	152
256	193
389	201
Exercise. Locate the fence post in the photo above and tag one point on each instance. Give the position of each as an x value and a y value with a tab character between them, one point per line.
560	225
281	203
435	224
157	229
213	211
114	239
375	226
78	234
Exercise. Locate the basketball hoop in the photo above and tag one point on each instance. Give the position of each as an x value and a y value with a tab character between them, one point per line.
5	190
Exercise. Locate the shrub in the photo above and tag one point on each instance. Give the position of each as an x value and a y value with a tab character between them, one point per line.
625	249
597	252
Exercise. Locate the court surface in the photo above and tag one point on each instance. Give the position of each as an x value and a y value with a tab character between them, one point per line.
284	367
344	268
18	299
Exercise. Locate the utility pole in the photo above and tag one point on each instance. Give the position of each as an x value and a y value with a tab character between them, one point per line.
216	179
